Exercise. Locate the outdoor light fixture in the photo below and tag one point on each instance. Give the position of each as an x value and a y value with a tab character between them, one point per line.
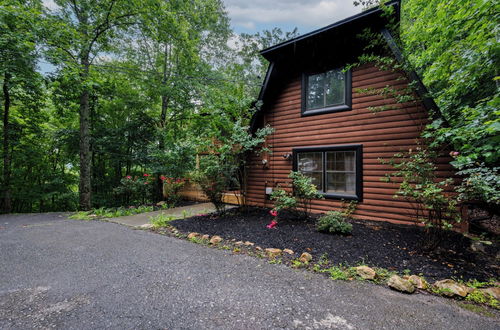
287	156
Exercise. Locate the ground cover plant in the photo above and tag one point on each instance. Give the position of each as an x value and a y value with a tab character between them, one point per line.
102	213
382	245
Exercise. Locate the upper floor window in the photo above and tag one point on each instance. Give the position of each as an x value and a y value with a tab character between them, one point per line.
326	92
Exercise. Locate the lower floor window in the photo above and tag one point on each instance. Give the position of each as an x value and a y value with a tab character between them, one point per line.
335	170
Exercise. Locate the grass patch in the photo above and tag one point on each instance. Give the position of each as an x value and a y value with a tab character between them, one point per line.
476	309
103	213
161	220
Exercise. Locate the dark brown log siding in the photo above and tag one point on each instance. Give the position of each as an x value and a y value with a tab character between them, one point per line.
382	135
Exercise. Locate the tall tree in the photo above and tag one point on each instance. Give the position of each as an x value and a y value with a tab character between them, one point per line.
78	33
17	72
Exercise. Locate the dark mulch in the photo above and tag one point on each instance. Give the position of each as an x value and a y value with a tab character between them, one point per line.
395	247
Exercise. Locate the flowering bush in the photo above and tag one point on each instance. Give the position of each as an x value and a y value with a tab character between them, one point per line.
274	222
171	189
135	190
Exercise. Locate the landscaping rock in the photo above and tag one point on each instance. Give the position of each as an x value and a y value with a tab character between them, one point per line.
258	248
215	240
288	251
271	252
146	226
192	235
247	243
305	257
495	292
419	282
477	247
451	288
205	237
366	272
161	203
239	243
400	284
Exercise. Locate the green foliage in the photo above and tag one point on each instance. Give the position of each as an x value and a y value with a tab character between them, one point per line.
161	220
110	212
479	297
453	46
171	189
434	206
334	222
225	167
301	196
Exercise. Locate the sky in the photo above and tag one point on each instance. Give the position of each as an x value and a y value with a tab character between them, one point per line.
252	16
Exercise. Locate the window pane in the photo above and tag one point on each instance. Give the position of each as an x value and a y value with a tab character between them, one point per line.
341	172
311	165
335	87
316	179
351	183
316	91
310	161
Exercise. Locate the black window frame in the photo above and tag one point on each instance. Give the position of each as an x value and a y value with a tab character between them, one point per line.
358	148
347	105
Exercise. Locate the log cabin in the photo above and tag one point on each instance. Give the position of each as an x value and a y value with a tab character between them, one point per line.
326	128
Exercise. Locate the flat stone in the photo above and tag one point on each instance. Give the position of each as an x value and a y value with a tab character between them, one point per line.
288	251
161	203
451	288
247	243
273	252
205	237
495	292
146	226
192	235
239	243
305	257
258	248
215	240
366	272
400	284
419	282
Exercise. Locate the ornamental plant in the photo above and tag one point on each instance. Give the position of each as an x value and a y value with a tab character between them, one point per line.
171	189
299	199
334	222
434	206
135	190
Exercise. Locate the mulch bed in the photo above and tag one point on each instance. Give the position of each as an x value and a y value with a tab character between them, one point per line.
377	244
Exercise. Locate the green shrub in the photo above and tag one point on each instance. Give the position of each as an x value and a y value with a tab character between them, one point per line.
303	192
334	223
171	189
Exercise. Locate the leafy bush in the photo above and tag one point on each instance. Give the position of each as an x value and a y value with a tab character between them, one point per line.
135	190
214	177
303	192
433	206
171	189
334	222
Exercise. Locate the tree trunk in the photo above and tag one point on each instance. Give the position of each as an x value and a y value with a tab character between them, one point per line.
85	156
7	203
163	118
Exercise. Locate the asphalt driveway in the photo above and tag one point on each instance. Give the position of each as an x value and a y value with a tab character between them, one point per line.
68	274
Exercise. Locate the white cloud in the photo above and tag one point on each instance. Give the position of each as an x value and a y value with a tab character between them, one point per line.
307	13
50	4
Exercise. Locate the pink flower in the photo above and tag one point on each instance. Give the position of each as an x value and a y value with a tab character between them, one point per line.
163	178
272	225
128	177
146	175
454	153
274	213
